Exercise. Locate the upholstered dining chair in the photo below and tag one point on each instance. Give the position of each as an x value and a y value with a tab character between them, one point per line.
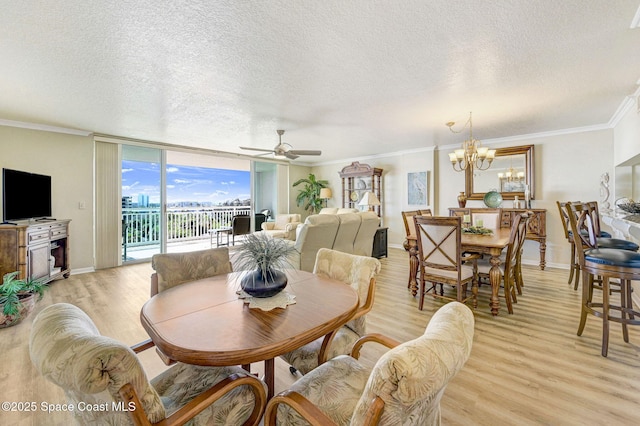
604	263
486	218
403	388
172	269
240	225
510	262
440	258
357	271
67	349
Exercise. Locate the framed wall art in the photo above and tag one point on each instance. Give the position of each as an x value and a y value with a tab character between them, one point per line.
417	188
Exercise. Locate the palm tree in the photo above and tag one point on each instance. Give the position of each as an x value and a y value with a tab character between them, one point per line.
309	195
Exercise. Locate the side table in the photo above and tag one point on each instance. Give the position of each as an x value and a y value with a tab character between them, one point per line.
218	232
380	243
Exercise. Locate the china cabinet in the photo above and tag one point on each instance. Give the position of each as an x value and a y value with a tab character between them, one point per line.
357	179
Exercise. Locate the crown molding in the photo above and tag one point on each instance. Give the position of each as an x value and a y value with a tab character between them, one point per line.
44	128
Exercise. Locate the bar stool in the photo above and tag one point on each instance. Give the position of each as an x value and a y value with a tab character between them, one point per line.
603	242
606	263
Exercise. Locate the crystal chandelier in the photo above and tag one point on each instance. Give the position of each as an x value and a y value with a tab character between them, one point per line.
472	155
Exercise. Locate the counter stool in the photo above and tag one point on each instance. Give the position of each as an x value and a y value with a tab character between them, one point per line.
603	242
606	263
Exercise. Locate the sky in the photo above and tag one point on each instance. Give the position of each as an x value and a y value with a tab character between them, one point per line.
184	183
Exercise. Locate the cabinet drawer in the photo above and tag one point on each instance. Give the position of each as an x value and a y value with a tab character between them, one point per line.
38	236
505	220
58	232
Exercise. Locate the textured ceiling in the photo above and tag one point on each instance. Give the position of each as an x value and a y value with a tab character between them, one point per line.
352	78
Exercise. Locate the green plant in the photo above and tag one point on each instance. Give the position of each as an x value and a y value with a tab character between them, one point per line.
259	251
13	289
309	195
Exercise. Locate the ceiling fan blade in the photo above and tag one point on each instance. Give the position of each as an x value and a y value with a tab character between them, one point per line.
256	149
304	152
290	155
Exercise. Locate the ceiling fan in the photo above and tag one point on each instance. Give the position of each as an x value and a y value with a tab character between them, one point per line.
284	149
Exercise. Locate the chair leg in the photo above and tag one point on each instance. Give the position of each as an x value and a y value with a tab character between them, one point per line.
507	293
573	262
605	315
586	300
625	304
421	291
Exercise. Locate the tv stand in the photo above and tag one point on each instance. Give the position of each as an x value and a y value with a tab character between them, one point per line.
39	250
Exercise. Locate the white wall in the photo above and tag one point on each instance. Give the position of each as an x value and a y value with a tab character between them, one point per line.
68	159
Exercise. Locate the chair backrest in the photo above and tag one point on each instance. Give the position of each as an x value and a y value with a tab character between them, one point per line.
407	218
357	271
564	218
173	269
582	230
241	225
516	240
67	349
595	216
489	218
439	243
411	378
363	244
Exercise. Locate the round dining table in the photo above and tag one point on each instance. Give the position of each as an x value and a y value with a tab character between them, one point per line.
205	322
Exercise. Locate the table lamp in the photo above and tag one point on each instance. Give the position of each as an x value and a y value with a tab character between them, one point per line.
325	194
369	199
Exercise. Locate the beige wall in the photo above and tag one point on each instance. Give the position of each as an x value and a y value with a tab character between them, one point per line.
568	167
394	185
68	159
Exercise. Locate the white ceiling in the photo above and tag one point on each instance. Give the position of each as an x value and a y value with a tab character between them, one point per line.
349	77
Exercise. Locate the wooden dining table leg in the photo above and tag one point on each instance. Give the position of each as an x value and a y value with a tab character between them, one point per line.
495	276
269	376
413	266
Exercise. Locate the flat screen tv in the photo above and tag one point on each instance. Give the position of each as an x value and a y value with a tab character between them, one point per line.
25	195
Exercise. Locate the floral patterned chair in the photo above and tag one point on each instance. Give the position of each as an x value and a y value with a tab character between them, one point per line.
177	268
404	387
68	350
357	271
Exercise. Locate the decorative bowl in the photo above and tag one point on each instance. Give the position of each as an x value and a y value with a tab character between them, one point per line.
630	207
492	199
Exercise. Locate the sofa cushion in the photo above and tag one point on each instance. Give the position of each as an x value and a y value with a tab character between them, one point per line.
328	210
363	243
318	231
347	231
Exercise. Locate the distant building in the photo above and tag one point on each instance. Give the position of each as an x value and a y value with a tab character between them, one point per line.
127	203
143	200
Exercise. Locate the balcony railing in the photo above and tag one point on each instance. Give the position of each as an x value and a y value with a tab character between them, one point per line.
141	226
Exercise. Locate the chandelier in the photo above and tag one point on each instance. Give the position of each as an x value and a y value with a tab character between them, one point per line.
472	155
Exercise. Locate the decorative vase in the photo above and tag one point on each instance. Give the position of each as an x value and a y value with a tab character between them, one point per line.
27	302
257	285
462	200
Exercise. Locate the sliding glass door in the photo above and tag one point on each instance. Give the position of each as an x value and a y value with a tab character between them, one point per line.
142	201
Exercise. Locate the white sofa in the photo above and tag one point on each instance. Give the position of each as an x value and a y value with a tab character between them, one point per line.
348	232
283	227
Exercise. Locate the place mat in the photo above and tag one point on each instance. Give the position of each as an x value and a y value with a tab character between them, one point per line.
280	300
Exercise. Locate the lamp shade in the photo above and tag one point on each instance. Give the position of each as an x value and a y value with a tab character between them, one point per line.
325	193
369	199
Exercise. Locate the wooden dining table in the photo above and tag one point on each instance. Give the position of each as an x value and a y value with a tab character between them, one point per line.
490	244
206	323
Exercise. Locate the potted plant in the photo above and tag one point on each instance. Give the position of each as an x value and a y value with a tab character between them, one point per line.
264	256
17	298
309	195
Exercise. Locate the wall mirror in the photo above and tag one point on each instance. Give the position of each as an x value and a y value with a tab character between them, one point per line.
510	171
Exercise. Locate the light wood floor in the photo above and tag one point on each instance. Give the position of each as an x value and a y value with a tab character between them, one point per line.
525	369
